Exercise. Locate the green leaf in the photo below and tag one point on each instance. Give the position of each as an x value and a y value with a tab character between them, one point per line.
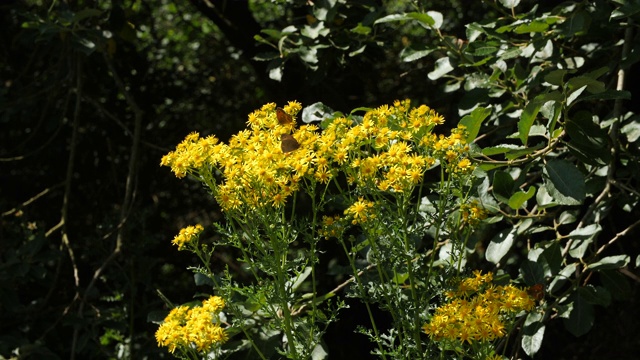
535	26
565	183
500	245
587	140
423	18
442	67
533	333
556	77
593	86
473	121
409	54
581	239
562	278
517	200
392	17
595	295
610	262
580	319
532	271
616	283
531	110
552	256
502	186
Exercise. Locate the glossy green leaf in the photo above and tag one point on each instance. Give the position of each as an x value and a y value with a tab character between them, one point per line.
565	183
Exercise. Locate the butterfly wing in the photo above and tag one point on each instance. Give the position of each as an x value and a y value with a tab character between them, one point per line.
283	117
288	143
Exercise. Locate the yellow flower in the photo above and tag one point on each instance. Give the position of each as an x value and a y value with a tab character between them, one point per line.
187	236
360	211
476	311
198	326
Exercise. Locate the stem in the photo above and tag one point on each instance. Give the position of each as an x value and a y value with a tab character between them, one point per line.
363	297
407	250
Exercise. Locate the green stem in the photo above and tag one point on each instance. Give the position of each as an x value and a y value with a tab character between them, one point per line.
415	329
363	297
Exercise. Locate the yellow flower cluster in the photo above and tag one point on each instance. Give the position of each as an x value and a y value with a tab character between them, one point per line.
472	213
477	310
199	327
389	149
187	236
360	212
332	226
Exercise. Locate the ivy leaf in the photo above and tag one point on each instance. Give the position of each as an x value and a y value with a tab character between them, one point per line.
565	183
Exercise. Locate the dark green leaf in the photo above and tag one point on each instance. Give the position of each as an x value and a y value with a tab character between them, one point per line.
595	295
552	256
502	186
616	283
581	317
564	182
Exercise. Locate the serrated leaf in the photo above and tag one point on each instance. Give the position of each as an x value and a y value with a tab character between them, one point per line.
565	183
500	245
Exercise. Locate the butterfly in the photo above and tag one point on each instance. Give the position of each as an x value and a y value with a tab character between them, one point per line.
283	117
288	143
536	291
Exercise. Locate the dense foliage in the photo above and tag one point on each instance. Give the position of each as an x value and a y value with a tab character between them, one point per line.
94	93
